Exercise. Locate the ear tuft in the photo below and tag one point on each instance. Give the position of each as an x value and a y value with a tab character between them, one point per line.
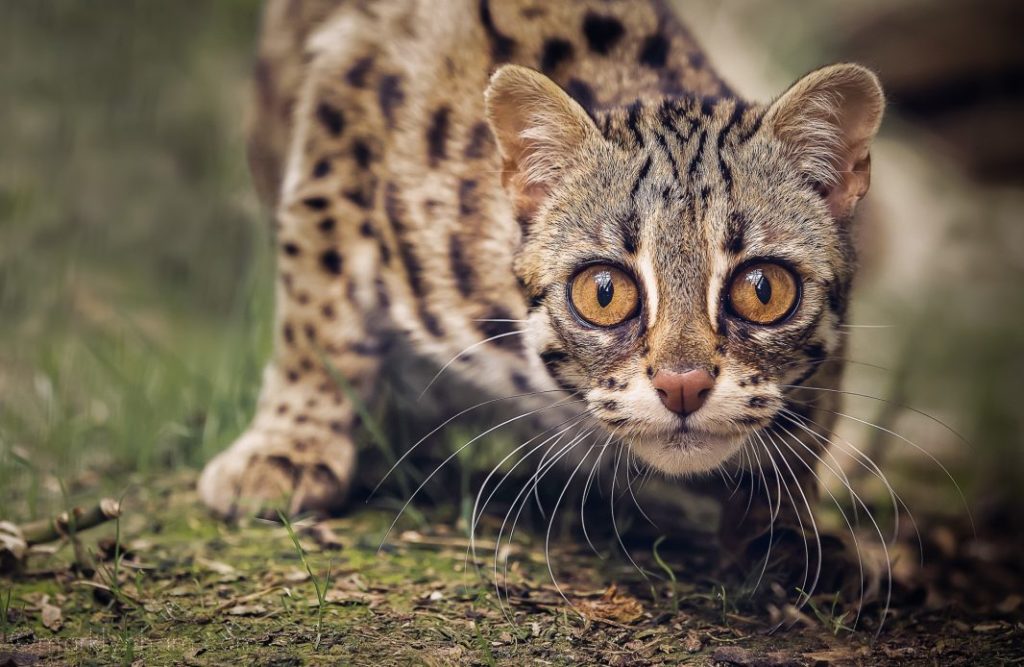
829	117
538	127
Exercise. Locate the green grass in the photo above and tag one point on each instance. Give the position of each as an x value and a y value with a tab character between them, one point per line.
135	267
320	585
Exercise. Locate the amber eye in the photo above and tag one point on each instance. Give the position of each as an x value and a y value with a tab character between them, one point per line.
604	295
763	293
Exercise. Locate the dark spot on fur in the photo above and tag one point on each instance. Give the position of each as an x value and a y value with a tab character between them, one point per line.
327	310
734	233
654	51
289	334
556	51
331	261
290	249
363	195
582	93
301	419
366	229
502	46
602	32
462	270
437	135
757	401
337	427
362	153
321	168
521	382
293	376
629	231
332	119
282	408
469	203
480	141
390	96
611	406
358	73
815	351
316	203
553	357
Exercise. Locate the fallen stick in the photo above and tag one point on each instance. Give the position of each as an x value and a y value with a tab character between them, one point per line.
68	523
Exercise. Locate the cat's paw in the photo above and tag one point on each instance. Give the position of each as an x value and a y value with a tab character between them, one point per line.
263	472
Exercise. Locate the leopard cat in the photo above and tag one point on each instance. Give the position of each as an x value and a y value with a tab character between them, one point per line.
559	202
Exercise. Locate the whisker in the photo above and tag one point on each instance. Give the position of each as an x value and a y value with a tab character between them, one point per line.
459	451
869	465
897	404
846	520
478	508
807	590
943	468
586	492
629	487
464	351
551	523
615	525
437	428
772	514
521	501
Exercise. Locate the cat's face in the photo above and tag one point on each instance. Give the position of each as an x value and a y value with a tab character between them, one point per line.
687	239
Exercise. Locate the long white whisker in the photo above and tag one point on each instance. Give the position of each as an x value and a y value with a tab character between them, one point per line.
846	520
551	523
521	500
615	525
459	451
944	469
464	351
807	590
586	492
437	428
478	508
773	513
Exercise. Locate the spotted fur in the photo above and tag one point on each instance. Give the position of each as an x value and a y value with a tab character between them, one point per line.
441	170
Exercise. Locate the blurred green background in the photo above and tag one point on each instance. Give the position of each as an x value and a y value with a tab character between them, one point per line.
136	272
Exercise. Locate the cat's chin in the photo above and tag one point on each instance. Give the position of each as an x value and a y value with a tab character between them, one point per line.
687	453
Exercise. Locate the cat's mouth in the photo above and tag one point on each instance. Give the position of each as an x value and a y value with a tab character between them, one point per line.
686	451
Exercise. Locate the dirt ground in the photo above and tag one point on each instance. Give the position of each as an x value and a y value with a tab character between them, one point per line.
181	588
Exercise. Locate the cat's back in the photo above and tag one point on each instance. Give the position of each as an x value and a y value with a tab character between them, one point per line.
415	70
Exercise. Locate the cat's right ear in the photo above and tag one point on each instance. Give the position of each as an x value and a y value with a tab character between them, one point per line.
539	129
829	118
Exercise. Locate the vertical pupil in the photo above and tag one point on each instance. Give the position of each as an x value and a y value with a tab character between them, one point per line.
605	289
762	286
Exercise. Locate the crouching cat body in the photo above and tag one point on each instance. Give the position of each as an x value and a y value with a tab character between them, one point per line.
561	203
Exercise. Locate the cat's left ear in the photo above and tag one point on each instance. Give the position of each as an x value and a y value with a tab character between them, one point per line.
540	130
829	118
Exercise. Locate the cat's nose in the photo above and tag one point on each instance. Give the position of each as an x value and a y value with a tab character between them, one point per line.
683	393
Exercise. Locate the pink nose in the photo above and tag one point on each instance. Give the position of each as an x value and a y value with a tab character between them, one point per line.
683	393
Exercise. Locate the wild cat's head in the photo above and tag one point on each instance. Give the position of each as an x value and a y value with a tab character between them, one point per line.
686	260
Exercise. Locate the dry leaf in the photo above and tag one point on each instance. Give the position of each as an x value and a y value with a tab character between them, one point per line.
215	566
52	617
247	610
612	606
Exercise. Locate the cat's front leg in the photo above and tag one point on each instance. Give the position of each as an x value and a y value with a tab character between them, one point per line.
331	330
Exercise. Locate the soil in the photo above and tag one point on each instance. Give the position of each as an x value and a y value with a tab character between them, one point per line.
183	588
